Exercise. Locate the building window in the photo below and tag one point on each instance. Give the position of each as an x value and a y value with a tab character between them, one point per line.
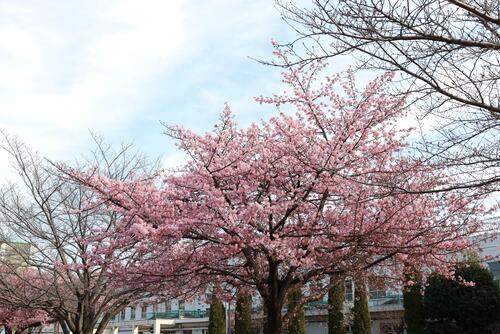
122	315
182	305
132	312
495	269
168	306
377	293
144	311
187	331
348	295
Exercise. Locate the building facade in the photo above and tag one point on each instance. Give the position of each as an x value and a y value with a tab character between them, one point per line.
170	317
14	253
191	317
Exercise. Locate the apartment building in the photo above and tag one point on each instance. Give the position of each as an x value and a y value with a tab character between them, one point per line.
180	317
491	251
170	317
191	317
385	306
14	253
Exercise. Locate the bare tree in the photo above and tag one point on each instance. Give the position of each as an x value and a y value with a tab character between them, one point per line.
447	54
50	223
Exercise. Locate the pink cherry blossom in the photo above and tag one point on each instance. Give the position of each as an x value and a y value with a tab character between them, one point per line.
321	190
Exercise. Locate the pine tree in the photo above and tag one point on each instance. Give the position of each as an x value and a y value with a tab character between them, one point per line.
336	323
217	318
362	321
413	303
243	317
297	321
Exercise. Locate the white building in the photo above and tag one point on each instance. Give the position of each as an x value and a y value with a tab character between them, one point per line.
171	317
182	317
386	311
386	308
14	253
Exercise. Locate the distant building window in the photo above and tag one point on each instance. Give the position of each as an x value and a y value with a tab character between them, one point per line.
377	293
132	312
182	305
348	290
144	311
495	269
168	306
122	315
187	331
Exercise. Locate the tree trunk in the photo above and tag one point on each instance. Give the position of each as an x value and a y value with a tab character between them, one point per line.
274	299
64	327
273	323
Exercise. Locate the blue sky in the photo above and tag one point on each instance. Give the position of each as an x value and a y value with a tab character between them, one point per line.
119	67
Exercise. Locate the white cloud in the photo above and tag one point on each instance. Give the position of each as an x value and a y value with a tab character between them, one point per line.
60	78
127	43
70	66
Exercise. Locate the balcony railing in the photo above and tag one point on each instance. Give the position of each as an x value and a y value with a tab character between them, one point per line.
387	300
179	314
372	302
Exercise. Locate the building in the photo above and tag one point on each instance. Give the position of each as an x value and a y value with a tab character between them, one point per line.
386	307
386	310
170	317
491	251
14	253
183	317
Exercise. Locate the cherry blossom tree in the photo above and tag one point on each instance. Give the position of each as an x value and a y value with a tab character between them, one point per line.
316	190
19	320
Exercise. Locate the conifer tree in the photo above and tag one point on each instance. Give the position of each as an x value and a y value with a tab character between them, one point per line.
217	318
297	321
451	307
362	321
243	317
336	298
